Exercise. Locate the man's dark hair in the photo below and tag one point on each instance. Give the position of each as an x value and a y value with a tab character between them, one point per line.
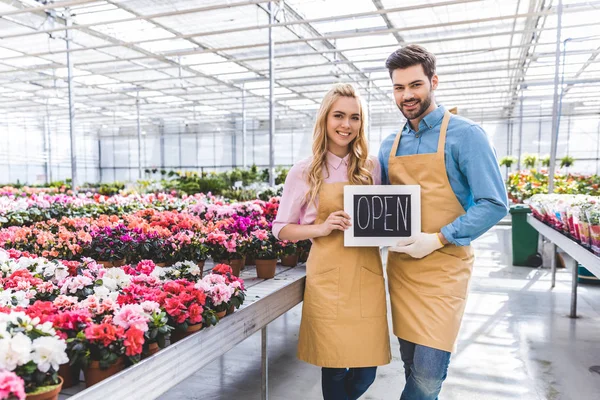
410	55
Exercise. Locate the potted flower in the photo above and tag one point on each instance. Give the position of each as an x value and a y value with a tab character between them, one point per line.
218	293
188	270
288	253
266	250
239	292
101	348
184	305
190	246
158	328
153	246
228	249
109	246
11	386
34	352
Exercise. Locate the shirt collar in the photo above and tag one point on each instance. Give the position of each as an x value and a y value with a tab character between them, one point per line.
430	120
335	161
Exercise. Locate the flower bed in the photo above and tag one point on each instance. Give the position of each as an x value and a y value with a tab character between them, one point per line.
55	311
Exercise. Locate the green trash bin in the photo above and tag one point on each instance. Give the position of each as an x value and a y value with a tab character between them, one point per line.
524	238
585	276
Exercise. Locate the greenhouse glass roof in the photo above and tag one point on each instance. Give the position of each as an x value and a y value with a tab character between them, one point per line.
185	58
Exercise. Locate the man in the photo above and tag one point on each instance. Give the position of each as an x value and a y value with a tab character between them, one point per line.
462	196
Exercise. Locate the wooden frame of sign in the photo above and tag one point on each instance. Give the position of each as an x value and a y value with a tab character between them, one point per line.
381	214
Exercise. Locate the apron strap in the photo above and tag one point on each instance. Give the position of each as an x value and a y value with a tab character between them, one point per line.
396	143
443	129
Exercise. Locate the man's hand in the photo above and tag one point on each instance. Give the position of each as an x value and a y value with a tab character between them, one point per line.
420	246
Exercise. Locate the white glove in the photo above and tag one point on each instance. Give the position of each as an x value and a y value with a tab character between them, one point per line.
418	247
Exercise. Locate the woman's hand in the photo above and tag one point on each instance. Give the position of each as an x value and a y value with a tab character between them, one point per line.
337	220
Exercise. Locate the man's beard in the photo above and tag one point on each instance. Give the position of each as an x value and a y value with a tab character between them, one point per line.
424	105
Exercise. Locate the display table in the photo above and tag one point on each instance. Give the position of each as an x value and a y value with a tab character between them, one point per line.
265	301
579	254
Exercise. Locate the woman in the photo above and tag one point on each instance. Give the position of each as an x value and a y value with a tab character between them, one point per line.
344	326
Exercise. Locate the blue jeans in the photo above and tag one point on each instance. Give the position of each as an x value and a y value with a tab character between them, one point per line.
425	369
346	384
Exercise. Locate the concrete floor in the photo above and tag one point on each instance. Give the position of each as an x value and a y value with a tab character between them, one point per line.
516	342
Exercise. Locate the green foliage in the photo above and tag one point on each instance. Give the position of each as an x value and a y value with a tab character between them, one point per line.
508	161
529	160
545	161
567	161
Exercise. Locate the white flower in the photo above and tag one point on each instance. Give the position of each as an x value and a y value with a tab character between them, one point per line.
158	272
49	351
115	278
4	256
101	291
15	351
25	262
202	285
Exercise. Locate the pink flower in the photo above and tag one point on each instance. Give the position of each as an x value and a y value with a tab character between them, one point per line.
261	234
132	315
11	385
221	293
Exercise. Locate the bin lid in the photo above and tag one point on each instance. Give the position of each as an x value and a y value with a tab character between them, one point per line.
520	209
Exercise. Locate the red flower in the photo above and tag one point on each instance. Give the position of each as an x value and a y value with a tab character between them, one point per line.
134	340
195	313
222	269
45	310
104	333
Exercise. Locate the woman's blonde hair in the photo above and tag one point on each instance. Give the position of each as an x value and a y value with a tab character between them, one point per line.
359	165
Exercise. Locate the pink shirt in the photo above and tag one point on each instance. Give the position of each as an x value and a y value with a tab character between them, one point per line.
291	210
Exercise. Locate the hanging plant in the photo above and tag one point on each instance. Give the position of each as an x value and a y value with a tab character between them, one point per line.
530	160
545	161
566	161
508	161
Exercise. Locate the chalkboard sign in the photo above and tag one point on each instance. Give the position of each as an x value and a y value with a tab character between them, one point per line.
381	214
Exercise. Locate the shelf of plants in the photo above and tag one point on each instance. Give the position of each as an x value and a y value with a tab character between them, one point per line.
96	283
572	223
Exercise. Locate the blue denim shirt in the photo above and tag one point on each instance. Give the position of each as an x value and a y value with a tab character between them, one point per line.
472	169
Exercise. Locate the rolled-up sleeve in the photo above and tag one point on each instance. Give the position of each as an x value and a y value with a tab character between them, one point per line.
291	203
478	163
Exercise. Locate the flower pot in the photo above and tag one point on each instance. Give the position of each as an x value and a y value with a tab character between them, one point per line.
231	309
153	348
112	264
70	375
250	260
177	335
236	265
161	264
46	392
94	374
289	261
221	314
265	269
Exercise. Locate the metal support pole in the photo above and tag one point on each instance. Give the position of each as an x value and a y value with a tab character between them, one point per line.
519	150
540	133
574	276
271	95
139	135
554	141
244	162
553	255
568	132
71	105
47	149
265	364
369	109
598	148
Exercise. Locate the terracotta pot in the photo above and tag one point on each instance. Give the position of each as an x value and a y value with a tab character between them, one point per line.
94	374
250	260
177	335
265	269
153	348
289	261
50	394
70	375
236	265
231	309
221	314
162	264
112	264
200	265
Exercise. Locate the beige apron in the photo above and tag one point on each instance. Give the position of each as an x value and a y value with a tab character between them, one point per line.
344	316
428	295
